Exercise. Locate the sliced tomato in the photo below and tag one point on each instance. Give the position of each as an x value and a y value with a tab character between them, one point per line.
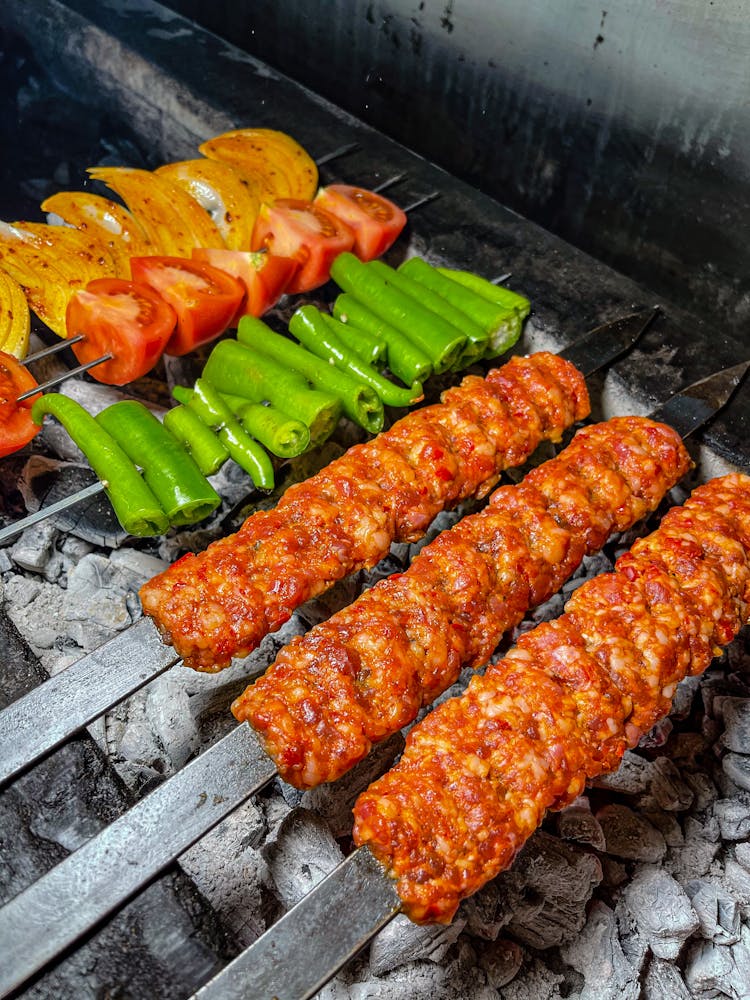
16	426
309	234
123	318
264	276
376	221
204	298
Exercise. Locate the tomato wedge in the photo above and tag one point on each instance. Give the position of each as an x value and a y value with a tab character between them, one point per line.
123	318
309	234
376	221
16	426
204	298
264	276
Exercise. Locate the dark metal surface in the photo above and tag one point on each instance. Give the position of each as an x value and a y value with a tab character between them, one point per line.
77	894
46	716
316	938
608	342
693	407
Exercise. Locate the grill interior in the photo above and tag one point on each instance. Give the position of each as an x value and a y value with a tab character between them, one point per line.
139	85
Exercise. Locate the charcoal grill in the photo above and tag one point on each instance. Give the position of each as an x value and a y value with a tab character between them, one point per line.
140	83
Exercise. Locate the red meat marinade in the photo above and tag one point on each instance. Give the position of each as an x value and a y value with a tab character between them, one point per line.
479	772
365	673
221	603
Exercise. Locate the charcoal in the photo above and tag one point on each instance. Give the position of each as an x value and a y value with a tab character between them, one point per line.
705	792
666	823
684	696
35	547
402	941
629	835
736	717
661	910
739	977
597	954
734	817
501	959
631	778
717	911
578	823
667	787
737	882
171	719
486	912
553	883
694	858
36	609
742	854
535	982
736	766
302	853
230	873
707	969
426	981
657	736
664	982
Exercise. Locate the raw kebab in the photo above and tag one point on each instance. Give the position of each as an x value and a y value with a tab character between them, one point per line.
366	672
222	602
479	772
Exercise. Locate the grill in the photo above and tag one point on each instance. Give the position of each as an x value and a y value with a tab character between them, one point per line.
140	85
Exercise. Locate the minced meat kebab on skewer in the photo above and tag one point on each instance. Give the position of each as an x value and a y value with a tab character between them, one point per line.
221	603
365	673
479	772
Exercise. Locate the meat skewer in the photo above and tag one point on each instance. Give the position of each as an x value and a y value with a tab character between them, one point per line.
363	674
478	774
49	714
119	860
221	603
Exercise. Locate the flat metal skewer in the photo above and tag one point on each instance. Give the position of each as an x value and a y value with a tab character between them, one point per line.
349	147
53	349
95	874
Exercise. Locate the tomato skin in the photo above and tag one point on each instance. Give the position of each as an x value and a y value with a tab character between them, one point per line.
123	318
265	276
306	232
377	222
203	297
16	426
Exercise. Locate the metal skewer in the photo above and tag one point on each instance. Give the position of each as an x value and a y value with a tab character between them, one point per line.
336	153
51	383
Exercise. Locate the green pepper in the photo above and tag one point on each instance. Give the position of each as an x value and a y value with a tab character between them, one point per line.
185	495
440	340
281	434
476	336
359	402
501	323
206	400
202	443
309	327
404	358
136	507
367	347
241	371
488	290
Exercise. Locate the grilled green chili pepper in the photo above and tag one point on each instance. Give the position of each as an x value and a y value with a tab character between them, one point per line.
281	434
476	336
370	349
489	290
309	327
405	359
502	324
359	402
136	507
185	495
213	411
441	341
207	450
242	371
